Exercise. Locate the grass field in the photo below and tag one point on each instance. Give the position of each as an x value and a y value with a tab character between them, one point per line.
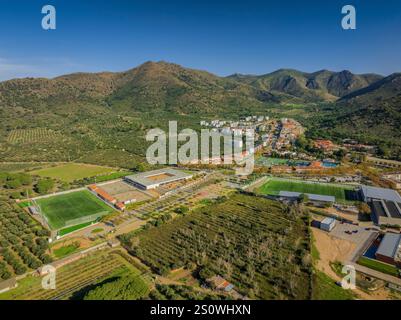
275	185
61	208
263	161
378	266
65	251
325	288
72	171
68	230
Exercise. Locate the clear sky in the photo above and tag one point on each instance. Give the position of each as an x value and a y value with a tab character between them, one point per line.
222	37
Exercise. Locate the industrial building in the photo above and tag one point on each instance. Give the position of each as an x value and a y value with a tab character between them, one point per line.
156	178
389	250
385	204
315	199
328	224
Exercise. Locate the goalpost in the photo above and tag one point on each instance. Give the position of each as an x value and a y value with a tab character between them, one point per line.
40	212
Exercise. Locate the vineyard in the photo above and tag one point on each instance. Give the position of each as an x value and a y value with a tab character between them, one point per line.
259	245
73	278
21	136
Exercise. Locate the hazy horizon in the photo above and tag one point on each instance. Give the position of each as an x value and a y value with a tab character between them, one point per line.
221	37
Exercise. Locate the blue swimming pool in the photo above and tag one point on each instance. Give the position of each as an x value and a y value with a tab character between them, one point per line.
329	164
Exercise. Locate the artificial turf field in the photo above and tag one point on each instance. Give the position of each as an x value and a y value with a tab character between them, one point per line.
59	209
274	186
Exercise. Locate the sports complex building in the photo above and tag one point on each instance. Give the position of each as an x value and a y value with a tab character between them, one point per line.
385	204
389	250
157	178
315	199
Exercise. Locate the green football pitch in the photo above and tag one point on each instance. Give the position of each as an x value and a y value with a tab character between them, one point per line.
274	186
59	209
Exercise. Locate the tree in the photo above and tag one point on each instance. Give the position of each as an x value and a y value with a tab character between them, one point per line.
25	179
364	208
15	195
13	184
303	198
205	273
181	210
44	186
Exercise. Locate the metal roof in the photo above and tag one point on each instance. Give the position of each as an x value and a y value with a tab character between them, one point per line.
313	197
381	193
389	245
144	178
328	221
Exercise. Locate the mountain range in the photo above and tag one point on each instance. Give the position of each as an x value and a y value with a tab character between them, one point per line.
172	87
165	88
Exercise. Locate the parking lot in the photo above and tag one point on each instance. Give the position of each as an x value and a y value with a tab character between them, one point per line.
359	238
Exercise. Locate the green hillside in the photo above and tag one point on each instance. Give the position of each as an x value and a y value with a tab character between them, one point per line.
102	118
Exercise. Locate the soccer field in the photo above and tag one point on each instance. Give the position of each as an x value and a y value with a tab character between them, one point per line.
59	209
274	186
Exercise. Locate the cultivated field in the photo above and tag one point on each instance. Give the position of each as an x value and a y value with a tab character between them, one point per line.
73	279
274	186
72	171
60	209
31	135
259	245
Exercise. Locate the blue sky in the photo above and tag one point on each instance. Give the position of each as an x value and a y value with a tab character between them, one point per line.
222	37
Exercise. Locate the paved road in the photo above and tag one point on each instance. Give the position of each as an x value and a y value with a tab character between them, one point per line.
376	274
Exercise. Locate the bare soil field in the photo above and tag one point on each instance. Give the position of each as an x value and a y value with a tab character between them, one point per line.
333	249
123	192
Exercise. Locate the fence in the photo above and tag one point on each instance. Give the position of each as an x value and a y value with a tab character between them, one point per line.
81	220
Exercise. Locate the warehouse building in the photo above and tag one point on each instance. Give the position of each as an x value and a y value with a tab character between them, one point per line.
328	224
156	178
316	200
389	250
385	204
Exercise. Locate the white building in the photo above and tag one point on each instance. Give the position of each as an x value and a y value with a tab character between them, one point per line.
328	224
